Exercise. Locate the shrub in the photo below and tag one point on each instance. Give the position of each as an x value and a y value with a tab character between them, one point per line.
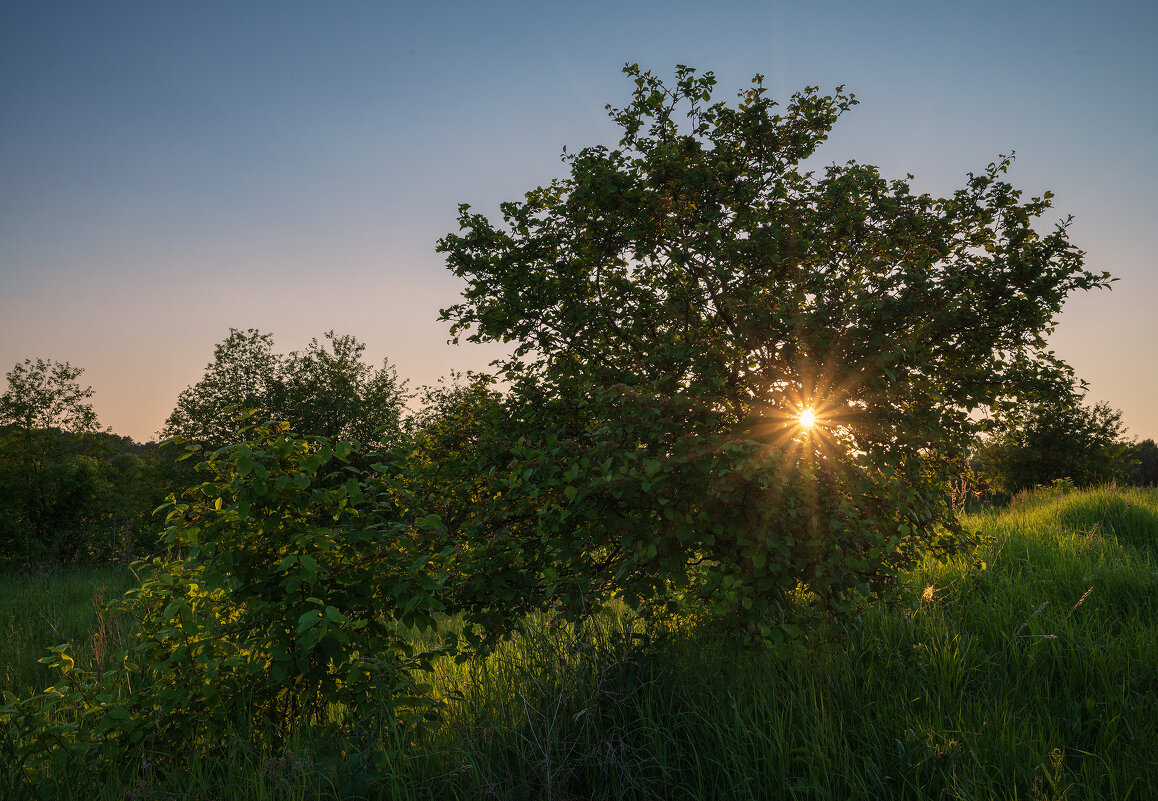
296	574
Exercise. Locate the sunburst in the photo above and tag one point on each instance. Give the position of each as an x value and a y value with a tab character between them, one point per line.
807	418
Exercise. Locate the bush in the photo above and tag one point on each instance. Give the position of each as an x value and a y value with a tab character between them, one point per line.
297	575
1057	438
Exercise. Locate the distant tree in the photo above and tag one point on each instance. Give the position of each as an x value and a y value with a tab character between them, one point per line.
241	375
677	301
329	391
325	390
49	478
45	396
1057	437
1145	454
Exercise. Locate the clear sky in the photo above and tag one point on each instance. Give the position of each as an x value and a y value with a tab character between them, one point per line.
170	170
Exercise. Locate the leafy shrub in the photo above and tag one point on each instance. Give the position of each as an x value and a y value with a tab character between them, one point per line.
1057	438
296	577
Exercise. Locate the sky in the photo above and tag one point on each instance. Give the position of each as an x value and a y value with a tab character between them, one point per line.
171	170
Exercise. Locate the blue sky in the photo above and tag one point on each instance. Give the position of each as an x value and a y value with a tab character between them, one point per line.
169	170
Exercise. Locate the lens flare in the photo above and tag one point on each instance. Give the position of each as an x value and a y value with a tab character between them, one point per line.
807	418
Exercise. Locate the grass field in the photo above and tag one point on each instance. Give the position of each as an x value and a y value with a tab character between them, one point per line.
1027	668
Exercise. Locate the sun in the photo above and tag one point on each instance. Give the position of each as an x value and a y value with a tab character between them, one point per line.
807	418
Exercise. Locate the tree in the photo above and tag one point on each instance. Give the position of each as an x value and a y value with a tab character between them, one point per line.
1057	437
675	302
49	479
45	396
326	390
241	374
1146	455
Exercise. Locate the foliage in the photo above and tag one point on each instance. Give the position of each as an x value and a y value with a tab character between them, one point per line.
448	440
70	492
299	578
52	504
136	481
240	376
1024	668
45	396
676	301
326	390
1057	437
1145	454
319	559
50	480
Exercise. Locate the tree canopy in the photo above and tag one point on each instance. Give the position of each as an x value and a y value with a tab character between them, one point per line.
45	395
243	369
700	257
326	390
675	302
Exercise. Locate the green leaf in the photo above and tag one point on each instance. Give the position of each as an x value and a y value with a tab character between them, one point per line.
309	619
188	624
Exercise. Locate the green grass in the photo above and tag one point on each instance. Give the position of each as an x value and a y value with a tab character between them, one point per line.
39	608
1025	669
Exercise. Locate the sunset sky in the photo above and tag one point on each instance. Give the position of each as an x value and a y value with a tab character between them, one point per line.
171	170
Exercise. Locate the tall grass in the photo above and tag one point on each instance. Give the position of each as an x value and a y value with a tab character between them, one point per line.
1024	669
39	608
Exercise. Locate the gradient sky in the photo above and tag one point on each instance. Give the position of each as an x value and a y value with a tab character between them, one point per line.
170	170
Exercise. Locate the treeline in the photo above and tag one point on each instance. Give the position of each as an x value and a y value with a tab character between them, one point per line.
67	498
72	493
69	491
1059	439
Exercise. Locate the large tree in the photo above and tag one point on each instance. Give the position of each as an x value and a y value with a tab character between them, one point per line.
677	301
328	389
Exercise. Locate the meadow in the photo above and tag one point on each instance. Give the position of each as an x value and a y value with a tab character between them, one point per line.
1025	668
